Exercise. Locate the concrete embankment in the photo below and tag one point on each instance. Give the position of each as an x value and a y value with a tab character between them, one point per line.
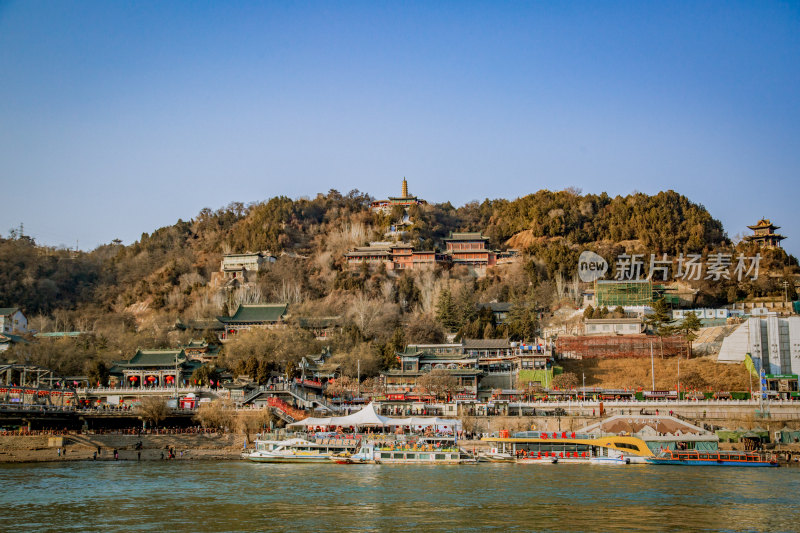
14	449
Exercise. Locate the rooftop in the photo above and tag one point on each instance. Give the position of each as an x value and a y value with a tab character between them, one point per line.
470	236
256	313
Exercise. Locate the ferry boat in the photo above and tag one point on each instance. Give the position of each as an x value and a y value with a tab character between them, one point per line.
300	450
711	458
421	452
540	447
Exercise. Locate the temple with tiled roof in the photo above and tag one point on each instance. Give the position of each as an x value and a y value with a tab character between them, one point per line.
249	316
764	234
155	368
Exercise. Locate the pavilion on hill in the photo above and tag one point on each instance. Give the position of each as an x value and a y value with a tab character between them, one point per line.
764	234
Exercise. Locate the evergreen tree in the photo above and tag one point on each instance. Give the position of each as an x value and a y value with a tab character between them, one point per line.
660	322
446	310
688	327
465	306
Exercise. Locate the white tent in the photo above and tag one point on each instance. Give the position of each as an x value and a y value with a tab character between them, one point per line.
424	422
366	417
369	417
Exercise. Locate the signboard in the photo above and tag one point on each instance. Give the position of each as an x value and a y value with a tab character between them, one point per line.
686	267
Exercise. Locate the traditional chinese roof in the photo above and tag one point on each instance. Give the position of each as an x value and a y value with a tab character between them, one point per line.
6	311
473	236
764	223
248	313
497	307
8	338
148	358
58	334
486	344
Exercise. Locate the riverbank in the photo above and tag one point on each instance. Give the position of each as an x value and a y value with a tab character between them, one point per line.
42	448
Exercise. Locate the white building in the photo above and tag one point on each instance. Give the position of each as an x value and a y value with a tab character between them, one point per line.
12	320
772	342
240	265
613	326
680	314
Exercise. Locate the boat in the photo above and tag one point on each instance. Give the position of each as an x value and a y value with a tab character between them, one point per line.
494	455
610	461
420	452
711	458
540	447
299	450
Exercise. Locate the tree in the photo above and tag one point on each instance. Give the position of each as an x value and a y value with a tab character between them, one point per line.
252	420
423	329
364	358
522	319
153	409
588	313
438	382
660	322
465	306
688	327
446	310
215	414
97	371
205	375
341	386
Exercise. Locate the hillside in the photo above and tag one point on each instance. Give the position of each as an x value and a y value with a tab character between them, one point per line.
129	296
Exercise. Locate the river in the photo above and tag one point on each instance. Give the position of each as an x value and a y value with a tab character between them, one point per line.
242	496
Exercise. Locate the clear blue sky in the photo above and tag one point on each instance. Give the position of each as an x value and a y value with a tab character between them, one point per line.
122	117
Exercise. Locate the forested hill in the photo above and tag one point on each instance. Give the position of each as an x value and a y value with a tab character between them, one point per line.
667	222
170	268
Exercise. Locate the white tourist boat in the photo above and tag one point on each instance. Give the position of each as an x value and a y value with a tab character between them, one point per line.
397	453
300	450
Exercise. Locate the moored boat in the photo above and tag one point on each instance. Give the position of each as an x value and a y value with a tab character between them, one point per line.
539	447
711	458
300	450
418	453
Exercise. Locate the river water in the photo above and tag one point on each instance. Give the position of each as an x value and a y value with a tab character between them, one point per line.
242	496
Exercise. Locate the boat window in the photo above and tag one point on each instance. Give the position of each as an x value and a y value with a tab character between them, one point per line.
705	456
424	457
397	456
751	458
626	446
386	456
440	456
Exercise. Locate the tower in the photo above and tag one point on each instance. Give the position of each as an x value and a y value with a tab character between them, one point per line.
405	189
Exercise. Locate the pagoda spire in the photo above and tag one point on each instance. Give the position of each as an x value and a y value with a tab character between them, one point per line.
405	188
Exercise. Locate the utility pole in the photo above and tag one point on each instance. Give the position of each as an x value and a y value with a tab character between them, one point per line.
652	368
359	378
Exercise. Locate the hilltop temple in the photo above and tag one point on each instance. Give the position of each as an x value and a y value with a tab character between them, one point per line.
404	200
764	234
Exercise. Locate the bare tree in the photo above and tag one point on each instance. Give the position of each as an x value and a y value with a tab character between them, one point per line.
438	382
252	421
216	414
153	409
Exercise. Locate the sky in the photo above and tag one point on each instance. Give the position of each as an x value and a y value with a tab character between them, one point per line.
117	118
